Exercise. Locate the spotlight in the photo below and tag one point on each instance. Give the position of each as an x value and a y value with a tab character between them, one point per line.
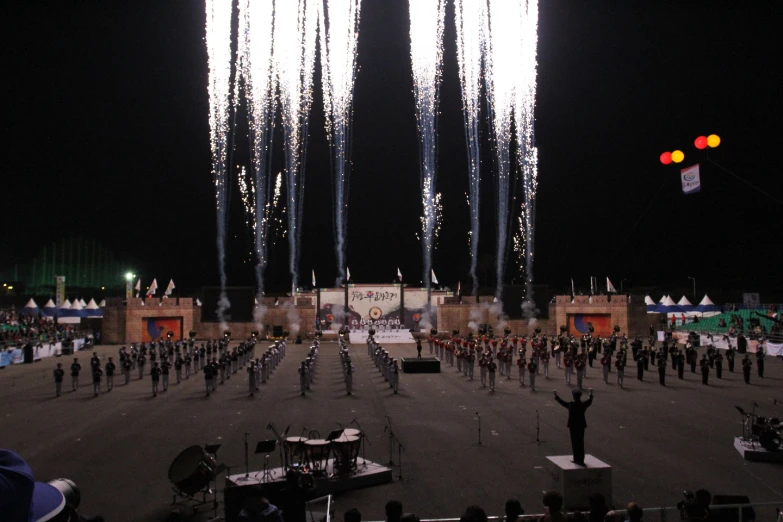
254	334
227	334
169	334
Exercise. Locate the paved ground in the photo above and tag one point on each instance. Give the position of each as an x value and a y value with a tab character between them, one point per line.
118	447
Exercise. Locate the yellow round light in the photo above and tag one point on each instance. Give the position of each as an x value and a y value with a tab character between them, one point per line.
713	140
678	156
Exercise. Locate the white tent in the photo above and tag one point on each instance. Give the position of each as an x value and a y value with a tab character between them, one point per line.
662	299
92	305
76	305
31	304
103	303
50	304
81	302
684	302
66	305
706	308
93	310
648	300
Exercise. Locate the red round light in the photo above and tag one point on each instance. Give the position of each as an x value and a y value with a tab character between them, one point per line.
701	142
666	158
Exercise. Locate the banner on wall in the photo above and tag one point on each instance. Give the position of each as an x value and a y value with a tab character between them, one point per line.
579	324
157	328
416	307
374	303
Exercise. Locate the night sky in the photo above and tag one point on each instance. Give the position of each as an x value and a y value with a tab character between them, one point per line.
105	135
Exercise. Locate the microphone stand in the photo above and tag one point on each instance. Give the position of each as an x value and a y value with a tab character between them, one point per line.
364	439
400	449
479	443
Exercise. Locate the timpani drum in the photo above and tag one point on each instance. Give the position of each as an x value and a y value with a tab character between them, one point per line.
318	451
295	448
346	451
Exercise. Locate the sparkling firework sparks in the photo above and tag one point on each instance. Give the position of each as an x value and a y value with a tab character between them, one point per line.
504	34
295	32
254	65
524	114
248	192
472	31
338	66
427	17
218	40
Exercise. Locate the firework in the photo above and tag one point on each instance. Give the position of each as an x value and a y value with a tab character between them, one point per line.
426	28
472	32
338	67
218	40
255	75
295	32
524	114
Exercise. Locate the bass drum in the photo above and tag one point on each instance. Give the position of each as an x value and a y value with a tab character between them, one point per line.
770	440
192	470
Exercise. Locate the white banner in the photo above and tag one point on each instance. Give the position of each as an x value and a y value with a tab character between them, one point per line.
691	182
376	303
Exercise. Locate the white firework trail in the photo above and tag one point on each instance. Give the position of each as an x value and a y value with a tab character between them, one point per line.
255	71
427	19
339	36
524	114
502	79
218	40
295	33
472	33
247	191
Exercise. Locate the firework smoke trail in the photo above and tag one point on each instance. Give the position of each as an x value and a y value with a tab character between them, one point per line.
295	32
255	70
338	67
427	17
504	34
524	114
218	40
472	32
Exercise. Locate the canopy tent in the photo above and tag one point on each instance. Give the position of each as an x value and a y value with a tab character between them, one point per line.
30	307
663	299
93	310
49	309
66	305
103	303
81	302
685	304
706	308
651	305
50	304
71	315
669	307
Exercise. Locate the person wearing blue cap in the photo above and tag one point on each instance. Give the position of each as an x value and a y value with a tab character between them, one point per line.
577	423
21	497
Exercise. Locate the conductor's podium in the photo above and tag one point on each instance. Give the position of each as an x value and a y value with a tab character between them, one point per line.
577	483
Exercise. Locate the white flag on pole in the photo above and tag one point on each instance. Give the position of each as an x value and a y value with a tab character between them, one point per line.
399	275
138	287
459	287
153	287
610	289
313	278
434	279
170	287
347	273
573	293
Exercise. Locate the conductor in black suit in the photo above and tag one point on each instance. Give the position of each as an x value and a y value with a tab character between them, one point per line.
577	423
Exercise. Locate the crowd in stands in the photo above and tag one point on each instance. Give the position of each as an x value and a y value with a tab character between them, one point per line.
696	508
16	329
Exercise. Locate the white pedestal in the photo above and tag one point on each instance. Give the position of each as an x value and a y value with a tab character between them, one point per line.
576	483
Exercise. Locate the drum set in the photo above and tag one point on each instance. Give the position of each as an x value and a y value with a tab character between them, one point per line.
764	431
311	454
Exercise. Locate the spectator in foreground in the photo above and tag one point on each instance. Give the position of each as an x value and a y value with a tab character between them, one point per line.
474	514
613	516
634	512
598	508
553	501
352	515
513	510
393	511
409	517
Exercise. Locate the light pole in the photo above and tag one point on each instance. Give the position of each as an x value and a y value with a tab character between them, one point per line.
694	287
129	277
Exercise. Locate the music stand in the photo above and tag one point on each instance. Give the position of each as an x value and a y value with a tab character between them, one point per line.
212	449
266	447
334	435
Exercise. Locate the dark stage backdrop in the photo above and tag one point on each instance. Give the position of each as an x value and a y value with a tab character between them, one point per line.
242	299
